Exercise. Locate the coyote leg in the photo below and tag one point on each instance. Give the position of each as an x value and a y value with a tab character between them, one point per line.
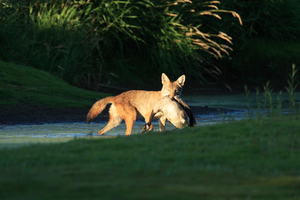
128	113
129	125
114	120
149	125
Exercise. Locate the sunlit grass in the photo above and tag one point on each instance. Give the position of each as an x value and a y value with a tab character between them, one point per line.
26	84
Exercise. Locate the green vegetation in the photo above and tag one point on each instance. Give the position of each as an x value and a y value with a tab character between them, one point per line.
20	84
270	106
86	42
268	42
254	159
263	60
114	42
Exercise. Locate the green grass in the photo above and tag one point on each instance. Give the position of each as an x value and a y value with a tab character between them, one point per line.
25	84
249	159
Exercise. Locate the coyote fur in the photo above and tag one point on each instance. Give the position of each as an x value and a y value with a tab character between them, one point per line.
176	111
128	105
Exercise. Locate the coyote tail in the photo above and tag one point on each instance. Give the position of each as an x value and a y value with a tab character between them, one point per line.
97	108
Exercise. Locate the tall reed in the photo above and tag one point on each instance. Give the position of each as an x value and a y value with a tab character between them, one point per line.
267	96
89	41
292	85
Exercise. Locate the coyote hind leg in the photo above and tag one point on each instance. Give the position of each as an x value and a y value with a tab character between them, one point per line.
114	120
128	113
129	121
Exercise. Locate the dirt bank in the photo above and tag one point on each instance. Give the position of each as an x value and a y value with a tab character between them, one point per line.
29	114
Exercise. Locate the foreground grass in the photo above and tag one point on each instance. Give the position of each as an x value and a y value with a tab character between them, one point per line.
25	84
249	159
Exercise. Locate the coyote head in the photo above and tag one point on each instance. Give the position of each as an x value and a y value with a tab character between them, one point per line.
170	88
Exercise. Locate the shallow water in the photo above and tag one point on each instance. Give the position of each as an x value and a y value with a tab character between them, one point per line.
19	135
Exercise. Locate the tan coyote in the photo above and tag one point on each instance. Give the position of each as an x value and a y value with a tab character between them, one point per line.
128	105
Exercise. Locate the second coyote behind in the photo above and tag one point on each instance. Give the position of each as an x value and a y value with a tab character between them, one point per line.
128	105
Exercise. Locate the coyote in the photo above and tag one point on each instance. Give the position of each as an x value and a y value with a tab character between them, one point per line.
128	105
174	110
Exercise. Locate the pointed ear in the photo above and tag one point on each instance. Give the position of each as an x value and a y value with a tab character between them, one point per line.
181	80
164	79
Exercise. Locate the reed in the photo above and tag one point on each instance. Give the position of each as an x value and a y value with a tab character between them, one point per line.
90	42
248	100
87	42
292	85
269	108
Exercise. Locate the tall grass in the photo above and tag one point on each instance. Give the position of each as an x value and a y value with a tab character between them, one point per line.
266	106
292	86
87	42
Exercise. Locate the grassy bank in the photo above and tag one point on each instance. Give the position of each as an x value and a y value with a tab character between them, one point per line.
250	159
27	85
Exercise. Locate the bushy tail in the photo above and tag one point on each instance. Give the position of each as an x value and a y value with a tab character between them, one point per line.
97	108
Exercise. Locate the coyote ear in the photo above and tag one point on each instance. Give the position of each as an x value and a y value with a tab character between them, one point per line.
181	80
164	79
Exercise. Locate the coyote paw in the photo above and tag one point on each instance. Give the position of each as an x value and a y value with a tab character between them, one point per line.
146	128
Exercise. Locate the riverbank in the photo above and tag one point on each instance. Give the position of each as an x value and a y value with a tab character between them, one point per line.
249	159
26	114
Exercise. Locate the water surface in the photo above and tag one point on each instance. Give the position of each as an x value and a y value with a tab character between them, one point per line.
236	107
